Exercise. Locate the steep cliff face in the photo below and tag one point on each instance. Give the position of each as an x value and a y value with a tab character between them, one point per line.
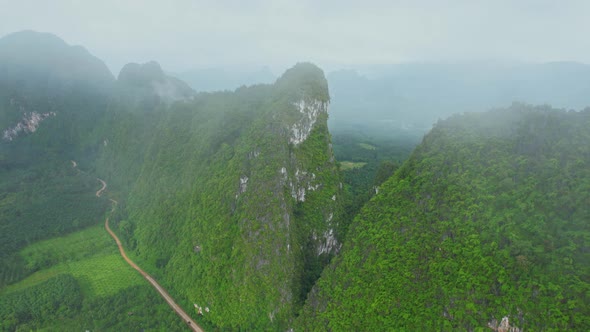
310	111
485	226
250	180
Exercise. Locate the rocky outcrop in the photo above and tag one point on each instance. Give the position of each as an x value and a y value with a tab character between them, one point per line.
303	182
328	243
29	124
504	325
310	109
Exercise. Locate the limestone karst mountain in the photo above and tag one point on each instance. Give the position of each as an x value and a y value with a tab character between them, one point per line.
248	177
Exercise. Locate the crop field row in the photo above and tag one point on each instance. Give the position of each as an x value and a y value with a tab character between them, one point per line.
89	255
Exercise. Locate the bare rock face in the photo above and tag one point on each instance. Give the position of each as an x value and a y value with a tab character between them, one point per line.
243	185
29	124
504	325
303	182
310	109
328	243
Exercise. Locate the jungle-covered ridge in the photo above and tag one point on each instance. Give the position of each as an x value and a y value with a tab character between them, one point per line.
487	219
243	203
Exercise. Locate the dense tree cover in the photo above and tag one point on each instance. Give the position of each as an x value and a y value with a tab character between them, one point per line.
226	210
108	294
138	308
47	190
232	200
41	202
41	194
58	304
378	158
488	218
55	299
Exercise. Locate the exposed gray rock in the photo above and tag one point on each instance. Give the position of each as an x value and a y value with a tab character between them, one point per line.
310	110
504	325
27	125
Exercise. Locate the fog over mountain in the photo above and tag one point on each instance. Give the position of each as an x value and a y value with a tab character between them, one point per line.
186	34
411	97
225	78
381	57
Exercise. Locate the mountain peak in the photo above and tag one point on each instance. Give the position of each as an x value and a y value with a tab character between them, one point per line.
32	37
306	78
151	78
45	60
136	73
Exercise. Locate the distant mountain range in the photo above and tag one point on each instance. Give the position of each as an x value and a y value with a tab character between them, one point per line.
411	97
225	78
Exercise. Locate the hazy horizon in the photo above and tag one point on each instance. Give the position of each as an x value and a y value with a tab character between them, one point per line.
184	34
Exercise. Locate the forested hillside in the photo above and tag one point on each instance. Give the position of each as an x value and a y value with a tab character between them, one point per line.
487	219
53	99
232	200
48	109
236	204
237	200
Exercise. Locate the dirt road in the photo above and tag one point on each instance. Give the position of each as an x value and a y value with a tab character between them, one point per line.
104	186
185	317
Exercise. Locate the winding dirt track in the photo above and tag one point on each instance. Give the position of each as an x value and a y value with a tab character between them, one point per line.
104	186
187	319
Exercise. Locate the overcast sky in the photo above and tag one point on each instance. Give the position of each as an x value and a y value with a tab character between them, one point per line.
181	34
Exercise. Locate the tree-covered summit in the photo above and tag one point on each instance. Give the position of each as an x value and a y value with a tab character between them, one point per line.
305	78
487	219
148	82
44	63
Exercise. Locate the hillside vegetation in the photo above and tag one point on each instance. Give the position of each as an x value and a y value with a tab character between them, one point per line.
48	111
236	203
232	200
81	283
487	219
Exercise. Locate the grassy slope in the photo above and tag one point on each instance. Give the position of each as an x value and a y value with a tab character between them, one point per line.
348	165
89	255
109	288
